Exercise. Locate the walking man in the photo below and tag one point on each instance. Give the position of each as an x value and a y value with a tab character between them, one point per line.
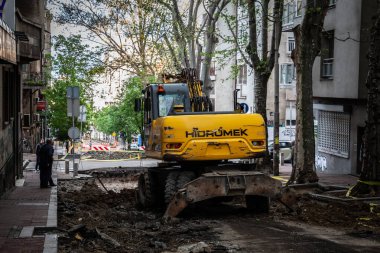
38	149
46	164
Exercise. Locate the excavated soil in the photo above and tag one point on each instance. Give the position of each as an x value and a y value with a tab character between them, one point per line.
100	215
111	155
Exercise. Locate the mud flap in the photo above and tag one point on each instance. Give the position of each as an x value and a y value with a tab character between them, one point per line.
221	184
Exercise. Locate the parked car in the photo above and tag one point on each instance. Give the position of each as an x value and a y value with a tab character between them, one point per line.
134	145
285	148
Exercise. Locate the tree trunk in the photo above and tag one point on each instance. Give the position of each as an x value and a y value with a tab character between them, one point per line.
308	44
260	93
370	175
213	13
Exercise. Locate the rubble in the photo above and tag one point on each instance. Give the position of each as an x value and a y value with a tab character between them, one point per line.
97	218
111	155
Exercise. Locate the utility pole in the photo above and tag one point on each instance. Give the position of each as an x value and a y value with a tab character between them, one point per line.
276	130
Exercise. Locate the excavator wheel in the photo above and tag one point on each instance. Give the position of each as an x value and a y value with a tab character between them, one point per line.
171	186
146	190
175	181
184	178
257	204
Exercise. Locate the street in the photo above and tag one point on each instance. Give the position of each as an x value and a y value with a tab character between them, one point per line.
105	203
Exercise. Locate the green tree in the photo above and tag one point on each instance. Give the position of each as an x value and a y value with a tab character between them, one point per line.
131	32
73	64
122	117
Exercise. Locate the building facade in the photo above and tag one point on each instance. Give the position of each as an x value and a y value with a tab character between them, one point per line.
339	74
33	31
23	33
10	155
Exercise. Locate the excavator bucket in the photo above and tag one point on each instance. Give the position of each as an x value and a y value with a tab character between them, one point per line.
223	184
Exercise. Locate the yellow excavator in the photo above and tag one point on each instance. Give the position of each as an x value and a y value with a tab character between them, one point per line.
200	149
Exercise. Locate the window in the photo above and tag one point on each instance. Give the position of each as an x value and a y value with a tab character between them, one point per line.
242	74
299	8
288	14
334	133
327	55
168	102
290	114
287	74
290	122
332	2
26	120
291	44
8	81
212	71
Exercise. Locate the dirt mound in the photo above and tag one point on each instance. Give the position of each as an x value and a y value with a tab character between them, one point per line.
111	155
93	220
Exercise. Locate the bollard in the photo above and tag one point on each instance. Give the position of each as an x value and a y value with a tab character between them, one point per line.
67	166
282	159
76	166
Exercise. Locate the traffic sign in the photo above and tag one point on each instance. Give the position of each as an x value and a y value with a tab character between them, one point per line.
244	107
73	133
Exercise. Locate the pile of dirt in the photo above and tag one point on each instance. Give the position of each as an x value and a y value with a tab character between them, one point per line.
100	214
352	217
111	155
93	220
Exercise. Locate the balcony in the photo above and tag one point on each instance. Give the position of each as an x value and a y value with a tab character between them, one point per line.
29	52
327	68
33	80
29	38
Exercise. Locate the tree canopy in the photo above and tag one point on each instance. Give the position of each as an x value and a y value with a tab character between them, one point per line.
121	116
73	64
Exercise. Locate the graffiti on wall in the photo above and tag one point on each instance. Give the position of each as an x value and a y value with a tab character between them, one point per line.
321	163
289	132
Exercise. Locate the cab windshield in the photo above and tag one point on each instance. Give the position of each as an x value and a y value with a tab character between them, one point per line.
167	103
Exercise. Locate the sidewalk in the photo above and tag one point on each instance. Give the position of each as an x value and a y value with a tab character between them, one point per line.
27	213
324	178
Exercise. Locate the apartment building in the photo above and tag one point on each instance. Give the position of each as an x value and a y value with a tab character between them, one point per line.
227	82
10	155
339	74
24	30
34	38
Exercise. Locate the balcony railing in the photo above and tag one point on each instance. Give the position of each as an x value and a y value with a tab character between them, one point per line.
29	51
327	68
33	79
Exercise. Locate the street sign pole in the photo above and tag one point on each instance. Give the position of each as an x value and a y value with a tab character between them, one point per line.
72	96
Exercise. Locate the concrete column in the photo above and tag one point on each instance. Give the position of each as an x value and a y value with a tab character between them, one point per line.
67	166
76	166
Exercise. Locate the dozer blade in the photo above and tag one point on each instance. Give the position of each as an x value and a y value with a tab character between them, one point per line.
221	184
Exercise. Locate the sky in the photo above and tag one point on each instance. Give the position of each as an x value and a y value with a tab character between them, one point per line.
104	82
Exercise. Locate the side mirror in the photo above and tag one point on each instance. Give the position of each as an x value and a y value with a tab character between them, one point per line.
137	105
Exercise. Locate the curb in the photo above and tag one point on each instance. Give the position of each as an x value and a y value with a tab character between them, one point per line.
25	163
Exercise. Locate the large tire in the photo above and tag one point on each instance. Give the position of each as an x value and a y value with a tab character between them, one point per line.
171	186
184	178
175	181
146	190
257	204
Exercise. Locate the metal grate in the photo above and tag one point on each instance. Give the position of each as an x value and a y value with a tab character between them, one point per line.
334	133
